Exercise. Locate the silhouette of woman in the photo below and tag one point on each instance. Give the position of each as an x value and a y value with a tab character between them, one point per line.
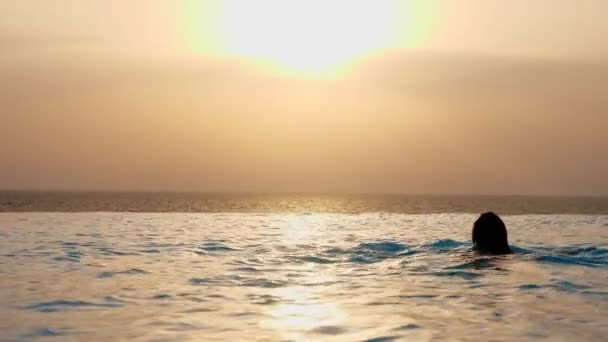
490	235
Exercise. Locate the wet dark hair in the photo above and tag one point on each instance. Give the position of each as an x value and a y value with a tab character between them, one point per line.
490	235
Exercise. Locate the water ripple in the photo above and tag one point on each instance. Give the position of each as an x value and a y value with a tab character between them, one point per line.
457	274
372	252
214	247
61	305
132	271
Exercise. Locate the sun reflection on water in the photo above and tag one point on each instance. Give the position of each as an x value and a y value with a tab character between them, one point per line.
302	311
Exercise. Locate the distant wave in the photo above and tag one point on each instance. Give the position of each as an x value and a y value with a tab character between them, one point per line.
591	256
11	201
378	251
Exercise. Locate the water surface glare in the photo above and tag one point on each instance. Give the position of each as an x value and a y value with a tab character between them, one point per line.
298	277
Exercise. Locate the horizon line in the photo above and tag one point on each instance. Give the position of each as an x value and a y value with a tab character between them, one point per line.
309	193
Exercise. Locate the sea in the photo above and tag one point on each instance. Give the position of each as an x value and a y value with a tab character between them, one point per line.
298	267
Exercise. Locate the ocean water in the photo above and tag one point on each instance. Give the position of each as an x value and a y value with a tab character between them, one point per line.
299	276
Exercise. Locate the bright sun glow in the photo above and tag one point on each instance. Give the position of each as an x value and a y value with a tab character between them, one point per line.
307	37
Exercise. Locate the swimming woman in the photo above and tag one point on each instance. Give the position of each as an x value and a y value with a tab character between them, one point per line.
490	235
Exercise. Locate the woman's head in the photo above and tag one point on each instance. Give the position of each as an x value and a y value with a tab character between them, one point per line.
490	235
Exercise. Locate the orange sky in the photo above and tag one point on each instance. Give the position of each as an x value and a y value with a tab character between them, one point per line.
452	97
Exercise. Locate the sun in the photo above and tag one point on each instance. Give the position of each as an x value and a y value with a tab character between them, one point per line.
303	37
306	36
